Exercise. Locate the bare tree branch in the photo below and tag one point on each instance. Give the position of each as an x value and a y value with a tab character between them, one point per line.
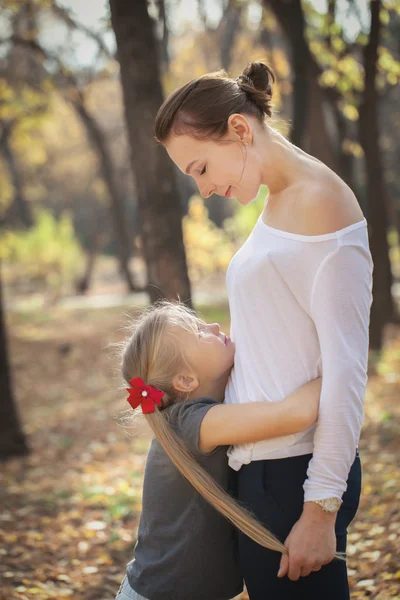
164	43
65	15
354	7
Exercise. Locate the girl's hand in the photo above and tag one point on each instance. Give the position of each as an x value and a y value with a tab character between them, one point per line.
304	402
227	424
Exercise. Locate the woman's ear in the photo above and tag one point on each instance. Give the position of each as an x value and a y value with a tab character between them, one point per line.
240	128
185	383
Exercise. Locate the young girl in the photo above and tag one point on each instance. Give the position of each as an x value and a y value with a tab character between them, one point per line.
177	367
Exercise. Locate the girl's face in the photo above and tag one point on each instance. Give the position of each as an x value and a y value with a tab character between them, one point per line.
210	354
227	167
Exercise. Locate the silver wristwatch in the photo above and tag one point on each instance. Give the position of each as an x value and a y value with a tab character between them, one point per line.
329	505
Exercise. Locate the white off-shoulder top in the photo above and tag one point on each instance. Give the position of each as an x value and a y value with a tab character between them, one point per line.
300	308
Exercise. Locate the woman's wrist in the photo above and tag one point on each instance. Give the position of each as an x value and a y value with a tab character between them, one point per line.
314	512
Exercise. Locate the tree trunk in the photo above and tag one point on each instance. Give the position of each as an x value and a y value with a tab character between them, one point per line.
307	93
83	283
272	39
12	439
318	138
229	28
382	306
345	160
290	16
97	138
309	131
158	196
164	41
19	212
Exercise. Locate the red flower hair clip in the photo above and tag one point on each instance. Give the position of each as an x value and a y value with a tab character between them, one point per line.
146	395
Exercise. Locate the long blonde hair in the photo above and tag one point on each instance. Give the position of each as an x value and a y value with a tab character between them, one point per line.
155	356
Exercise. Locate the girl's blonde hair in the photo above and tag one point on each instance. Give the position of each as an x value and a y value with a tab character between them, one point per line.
153	353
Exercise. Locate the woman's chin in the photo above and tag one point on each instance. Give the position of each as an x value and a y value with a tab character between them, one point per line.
245	200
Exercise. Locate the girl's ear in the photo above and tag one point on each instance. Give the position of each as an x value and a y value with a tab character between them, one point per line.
185	383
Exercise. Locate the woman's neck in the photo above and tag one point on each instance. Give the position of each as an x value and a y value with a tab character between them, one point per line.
283	163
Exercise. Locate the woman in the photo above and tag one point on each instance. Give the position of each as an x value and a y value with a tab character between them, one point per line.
300	296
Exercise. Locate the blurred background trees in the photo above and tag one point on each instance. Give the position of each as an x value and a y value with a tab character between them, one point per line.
95	221
90	204
157	191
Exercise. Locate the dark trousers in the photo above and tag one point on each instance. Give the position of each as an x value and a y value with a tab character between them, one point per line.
273	490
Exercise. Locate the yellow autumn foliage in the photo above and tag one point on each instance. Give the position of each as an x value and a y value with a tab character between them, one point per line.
46	255
208	248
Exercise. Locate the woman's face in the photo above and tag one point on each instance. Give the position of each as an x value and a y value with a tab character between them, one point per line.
227	167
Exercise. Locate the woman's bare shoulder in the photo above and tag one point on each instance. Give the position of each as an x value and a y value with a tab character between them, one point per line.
328	205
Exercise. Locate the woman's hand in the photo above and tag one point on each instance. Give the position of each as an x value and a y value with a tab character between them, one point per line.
311	543
304	402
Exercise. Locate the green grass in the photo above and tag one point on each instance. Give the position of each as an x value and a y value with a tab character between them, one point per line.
215	314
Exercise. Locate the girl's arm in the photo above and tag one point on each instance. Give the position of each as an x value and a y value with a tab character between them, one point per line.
227	424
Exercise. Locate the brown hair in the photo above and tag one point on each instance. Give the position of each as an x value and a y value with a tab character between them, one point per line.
153	353
203	105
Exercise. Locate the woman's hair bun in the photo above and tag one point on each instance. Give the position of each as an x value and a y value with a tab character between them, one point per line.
256	81
261	76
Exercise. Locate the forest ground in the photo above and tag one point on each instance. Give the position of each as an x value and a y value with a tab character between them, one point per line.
69	511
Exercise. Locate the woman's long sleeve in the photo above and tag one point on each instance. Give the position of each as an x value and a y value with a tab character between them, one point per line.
340	308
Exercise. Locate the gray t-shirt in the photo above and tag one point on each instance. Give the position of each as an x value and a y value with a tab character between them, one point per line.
185	549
